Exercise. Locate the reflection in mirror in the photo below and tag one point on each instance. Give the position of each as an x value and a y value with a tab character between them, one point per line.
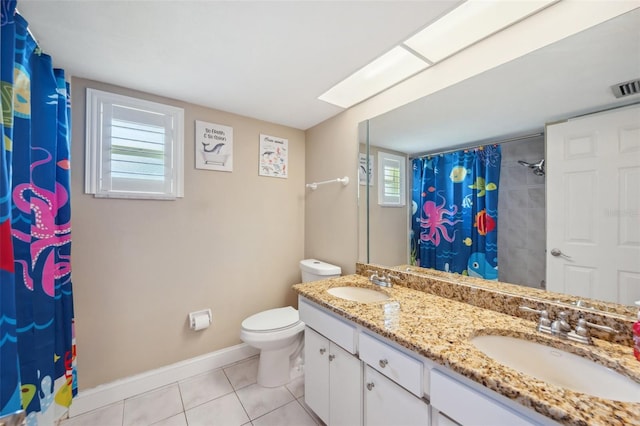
510	104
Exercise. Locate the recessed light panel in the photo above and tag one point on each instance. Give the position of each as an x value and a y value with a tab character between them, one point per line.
470	22
389	69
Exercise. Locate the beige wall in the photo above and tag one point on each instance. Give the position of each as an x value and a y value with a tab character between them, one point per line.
331	227
388	226
232	244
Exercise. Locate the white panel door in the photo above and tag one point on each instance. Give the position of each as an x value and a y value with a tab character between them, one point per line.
593	206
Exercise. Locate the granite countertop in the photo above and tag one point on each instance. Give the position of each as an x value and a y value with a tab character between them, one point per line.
440	329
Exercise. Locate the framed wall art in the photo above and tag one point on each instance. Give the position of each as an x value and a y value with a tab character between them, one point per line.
274	156
214	146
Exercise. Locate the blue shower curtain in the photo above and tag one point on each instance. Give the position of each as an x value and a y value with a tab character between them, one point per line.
455	212
37	348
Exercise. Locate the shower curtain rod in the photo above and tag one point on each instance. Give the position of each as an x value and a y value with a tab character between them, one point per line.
475	145
17	12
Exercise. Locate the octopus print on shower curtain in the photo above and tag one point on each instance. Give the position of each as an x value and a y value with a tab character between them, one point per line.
434	221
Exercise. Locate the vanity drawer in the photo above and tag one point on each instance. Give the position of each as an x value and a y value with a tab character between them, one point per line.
468	406
396	365
329	326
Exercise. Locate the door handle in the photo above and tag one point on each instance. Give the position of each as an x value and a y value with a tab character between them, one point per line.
556	252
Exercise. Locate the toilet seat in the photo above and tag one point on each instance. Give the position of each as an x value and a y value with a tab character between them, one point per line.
272	320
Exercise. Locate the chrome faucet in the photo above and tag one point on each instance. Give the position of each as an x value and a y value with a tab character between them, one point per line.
561	328
381	280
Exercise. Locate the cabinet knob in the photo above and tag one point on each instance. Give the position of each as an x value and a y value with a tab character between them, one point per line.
322	351
383	363
370	386
331	357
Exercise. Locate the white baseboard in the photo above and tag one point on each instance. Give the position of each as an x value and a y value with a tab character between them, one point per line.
119	390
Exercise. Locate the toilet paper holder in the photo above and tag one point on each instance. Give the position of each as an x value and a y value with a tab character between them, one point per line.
200	319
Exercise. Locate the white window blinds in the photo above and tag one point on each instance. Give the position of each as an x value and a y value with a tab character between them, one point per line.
134	147
391	180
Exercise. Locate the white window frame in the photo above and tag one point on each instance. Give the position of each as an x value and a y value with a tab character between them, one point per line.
98	179
391	161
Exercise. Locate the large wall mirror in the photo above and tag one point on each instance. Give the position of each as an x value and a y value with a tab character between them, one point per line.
509	105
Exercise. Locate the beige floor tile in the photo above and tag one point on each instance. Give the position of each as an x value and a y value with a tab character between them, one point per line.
111	415
243	373
204	387
258	400
226	411
291	414
153	406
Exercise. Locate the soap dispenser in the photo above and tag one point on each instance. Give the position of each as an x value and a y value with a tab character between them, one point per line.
636	334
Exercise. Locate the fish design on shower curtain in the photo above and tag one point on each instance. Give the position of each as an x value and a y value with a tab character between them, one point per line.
455	213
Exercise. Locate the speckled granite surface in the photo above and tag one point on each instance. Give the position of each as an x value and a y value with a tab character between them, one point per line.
507	298
534	293
439	328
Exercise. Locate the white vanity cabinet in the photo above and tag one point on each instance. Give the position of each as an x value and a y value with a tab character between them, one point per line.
384	383
333	375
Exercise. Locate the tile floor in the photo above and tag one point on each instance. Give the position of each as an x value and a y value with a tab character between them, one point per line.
228	396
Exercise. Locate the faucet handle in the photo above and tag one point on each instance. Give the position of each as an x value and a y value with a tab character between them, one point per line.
391	276
582	330
544	315
560	327
374	275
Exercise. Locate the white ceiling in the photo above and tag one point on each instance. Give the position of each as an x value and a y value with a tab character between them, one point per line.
263	59
565	79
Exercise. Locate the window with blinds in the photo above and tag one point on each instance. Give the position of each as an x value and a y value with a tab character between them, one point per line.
391	180
134	147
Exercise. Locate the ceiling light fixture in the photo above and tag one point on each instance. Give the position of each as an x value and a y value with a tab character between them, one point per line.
389	69
469	23
465	25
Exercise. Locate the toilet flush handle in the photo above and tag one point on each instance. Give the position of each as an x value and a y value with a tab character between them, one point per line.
322	351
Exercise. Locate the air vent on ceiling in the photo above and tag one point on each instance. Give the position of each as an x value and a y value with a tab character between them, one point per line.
627	88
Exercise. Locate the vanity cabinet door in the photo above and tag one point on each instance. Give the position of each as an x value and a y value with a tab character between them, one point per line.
345	388
386	403
332	381
316	373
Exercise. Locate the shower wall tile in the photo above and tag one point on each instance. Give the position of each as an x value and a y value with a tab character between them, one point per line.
536	222
536	197
511	175
536	267
518	198
522	220
517	228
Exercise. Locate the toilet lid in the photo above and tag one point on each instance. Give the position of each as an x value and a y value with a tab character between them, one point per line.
272	319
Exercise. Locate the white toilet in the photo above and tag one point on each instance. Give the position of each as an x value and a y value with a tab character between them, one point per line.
278	333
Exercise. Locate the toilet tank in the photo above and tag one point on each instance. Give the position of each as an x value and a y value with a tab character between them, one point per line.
314	270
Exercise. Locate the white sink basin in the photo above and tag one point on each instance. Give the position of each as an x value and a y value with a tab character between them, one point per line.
558	367
358	294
